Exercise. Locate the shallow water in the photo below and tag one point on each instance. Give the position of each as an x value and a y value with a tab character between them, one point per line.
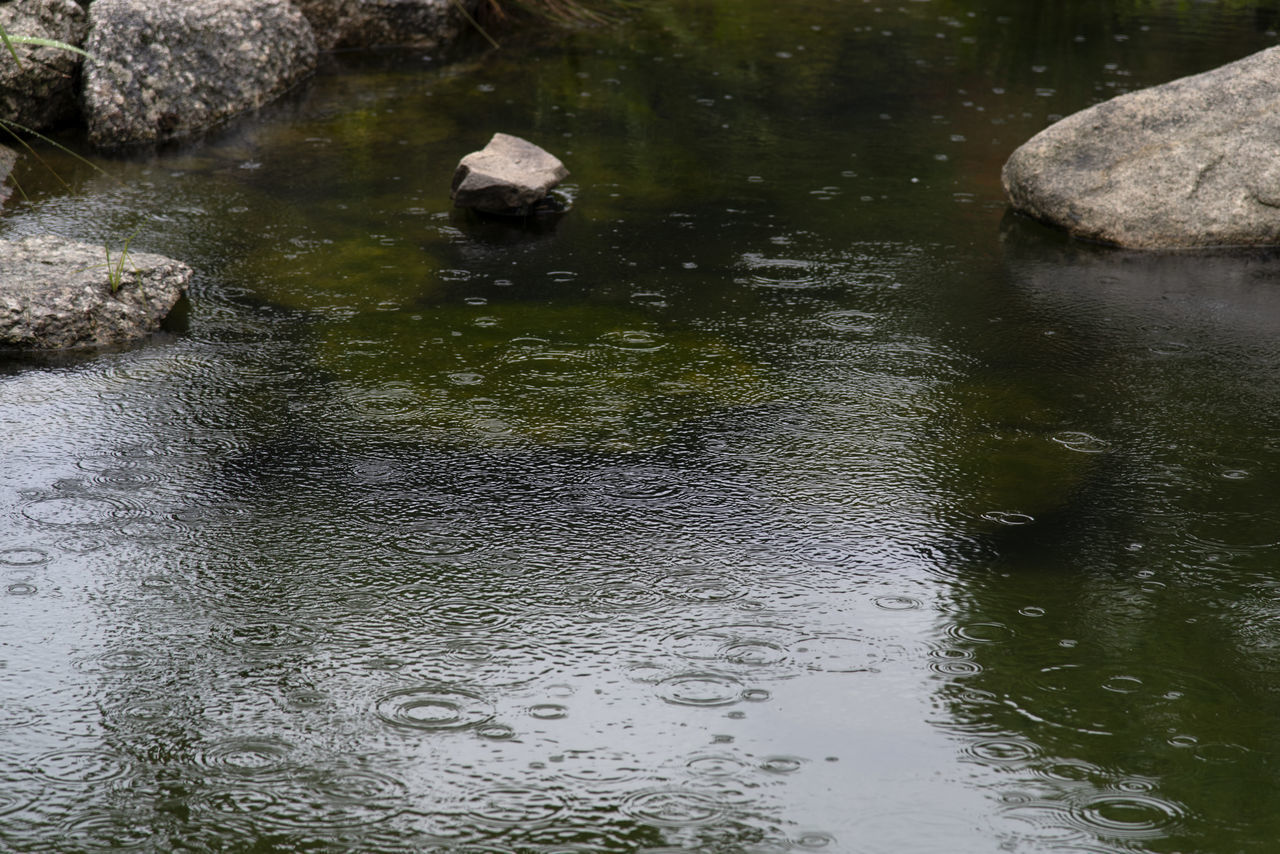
784	495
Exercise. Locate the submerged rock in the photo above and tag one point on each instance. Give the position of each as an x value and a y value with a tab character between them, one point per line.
57	293
508	176
1191	163
168	69
42	92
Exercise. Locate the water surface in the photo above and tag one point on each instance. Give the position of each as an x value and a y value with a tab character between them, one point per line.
786	494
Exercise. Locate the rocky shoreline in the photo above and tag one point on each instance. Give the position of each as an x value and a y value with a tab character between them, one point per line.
158	71
163	70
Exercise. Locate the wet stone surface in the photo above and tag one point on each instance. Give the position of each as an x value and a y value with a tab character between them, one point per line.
58	294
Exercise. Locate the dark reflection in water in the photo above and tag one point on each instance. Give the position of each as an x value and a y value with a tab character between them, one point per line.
1133	618
786	495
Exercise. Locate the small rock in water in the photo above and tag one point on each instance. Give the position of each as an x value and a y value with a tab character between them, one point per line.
508	176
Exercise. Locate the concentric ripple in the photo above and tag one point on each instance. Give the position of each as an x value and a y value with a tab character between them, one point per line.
104	831
1084	443
782	764
980	632
715	765
23	556
1124	815
837	654
434	708
82	766
550	369
333	799
121	660
625	596
700	689
780	272
599	767
248	757
516	806
848	320
1001	752
634	340
672	807
746	644
80	511
12	801
1008	517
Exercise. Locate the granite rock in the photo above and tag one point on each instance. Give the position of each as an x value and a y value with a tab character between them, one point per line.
368	23
169	69
57	293
41	94
507	176
1191	163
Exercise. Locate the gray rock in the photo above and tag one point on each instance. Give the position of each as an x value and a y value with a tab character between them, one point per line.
507	176
1192	163
42	93
168	69
8	157
56	293
335	23
412	23
366	23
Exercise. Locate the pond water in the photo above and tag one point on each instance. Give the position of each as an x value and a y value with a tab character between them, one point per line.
786	494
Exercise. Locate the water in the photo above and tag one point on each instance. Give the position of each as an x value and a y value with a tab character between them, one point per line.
784	495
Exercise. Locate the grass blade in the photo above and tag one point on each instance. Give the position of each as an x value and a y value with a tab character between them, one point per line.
10	41
476	24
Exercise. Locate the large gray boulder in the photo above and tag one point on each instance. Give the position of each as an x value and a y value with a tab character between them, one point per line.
1192	163
57	293
168	69
366	23
42	92
508	176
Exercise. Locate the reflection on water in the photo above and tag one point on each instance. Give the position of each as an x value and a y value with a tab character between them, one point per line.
783	495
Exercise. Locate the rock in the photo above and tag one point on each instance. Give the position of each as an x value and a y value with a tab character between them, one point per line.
1191	163
334	22
366	23
8	157
168	69
42	93
56	293
507	176
412	23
